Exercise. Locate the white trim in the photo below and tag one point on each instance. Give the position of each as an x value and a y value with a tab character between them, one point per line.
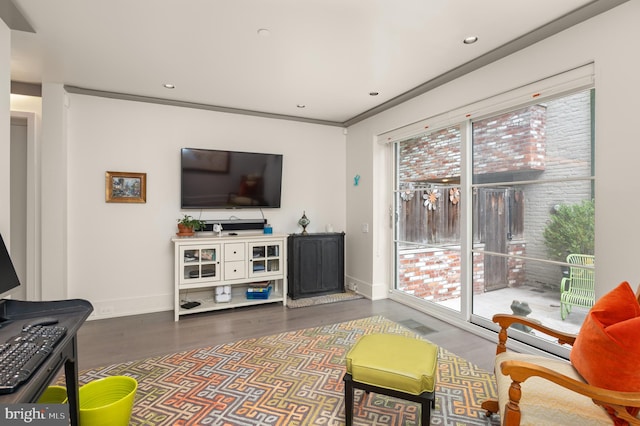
582	77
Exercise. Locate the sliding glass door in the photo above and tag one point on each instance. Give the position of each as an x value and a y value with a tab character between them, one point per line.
487	210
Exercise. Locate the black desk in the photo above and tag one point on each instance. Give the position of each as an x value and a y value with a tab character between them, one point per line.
71	314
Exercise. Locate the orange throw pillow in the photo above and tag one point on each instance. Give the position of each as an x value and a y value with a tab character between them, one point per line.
607	348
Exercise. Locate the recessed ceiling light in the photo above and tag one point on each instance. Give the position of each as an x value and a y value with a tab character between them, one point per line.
169	86
373	93
263	32
470	40
301	106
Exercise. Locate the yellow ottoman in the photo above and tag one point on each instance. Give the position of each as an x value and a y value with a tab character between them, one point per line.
398	366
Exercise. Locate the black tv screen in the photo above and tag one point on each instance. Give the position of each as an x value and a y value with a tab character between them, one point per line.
8	276
215	179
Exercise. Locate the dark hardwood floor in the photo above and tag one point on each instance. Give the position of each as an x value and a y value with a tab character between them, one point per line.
115	340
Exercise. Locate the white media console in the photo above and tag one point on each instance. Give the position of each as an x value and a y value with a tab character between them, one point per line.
229	271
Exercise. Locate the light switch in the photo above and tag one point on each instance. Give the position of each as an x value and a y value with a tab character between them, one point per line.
365	227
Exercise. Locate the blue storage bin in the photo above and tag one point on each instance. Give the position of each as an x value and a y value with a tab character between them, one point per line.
258	292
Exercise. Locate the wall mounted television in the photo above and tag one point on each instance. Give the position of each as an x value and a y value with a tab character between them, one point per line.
215	179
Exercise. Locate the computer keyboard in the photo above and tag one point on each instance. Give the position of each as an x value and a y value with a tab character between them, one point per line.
21	355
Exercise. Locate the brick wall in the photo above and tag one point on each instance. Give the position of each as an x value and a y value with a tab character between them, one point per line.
434	273
436	155
520	145
430	274
568	136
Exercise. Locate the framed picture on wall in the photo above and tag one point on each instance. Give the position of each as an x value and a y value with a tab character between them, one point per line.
125	187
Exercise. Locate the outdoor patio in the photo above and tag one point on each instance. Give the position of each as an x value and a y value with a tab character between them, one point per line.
544	305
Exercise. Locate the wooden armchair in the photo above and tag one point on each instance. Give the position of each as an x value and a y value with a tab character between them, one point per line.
538	390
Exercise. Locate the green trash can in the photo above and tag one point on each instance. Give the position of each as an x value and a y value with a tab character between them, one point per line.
53	395
107	401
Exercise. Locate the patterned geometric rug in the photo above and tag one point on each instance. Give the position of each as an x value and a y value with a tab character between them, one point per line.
292	378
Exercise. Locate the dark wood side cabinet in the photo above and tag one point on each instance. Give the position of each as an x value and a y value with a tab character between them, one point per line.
315	264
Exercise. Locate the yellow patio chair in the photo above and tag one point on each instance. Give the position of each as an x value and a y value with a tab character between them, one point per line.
578	288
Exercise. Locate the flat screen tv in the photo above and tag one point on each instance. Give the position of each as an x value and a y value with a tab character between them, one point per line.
8	276
215	179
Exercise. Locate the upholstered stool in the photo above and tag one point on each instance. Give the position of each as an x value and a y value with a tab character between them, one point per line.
398	366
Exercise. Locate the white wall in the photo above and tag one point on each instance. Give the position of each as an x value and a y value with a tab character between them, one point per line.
606	40
119	256
18	180
54	193
5	146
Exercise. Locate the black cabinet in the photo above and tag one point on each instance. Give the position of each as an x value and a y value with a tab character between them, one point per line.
315	264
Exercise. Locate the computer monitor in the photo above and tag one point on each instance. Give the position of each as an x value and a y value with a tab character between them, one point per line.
8	276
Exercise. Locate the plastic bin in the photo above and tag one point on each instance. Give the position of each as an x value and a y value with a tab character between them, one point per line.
258	293
108	401
53	395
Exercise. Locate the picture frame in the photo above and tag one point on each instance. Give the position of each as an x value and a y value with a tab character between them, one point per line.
125	187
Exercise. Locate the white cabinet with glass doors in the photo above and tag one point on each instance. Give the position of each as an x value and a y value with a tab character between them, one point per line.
224	272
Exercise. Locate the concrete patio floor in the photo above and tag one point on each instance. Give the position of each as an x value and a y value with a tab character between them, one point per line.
544	305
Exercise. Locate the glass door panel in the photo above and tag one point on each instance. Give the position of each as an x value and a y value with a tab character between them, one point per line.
199	263
265	259
427	226
533	205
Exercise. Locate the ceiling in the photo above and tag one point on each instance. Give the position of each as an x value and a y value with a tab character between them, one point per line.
271	57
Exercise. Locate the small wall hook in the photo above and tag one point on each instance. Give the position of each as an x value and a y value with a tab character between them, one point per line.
356	180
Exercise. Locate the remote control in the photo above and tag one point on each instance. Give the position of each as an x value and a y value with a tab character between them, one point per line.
190	305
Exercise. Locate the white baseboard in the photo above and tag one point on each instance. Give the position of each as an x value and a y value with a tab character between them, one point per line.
114	308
